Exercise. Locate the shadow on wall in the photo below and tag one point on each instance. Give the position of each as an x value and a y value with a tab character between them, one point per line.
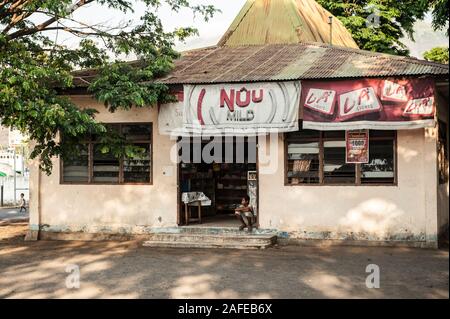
408	155
109	206
376	217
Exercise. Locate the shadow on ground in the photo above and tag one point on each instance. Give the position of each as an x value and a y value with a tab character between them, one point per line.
128	270
13	232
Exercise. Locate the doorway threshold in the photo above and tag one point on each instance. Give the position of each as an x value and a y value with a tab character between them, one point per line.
227	221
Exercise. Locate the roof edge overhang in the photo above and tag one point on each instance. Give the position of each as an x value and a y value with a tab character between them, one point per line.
83	77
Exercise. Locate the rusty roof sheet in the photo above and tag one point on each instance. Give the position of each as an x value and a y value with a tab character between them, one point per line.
302	61
285	21
284	62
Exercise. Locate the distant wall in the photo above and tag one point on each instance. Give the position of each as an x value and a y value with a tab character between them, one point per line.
8	188
4	136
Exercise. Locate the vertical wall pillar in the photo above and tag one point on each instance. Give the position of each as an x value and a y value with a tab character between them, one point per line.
430	171
34	202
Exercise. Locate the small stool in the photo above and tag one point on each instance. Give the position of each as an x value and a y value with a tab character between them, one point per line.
187	212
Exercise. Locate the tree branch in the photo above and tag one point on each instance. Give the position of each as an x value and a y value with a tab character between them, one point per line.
44	25
14	9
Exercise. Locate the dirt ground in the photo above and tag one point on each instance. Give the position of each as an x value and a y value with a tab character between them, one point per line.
128	270
13	232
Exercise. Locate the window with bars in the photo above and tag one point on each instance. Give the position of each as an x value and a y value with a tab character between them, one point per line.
318	158
92	166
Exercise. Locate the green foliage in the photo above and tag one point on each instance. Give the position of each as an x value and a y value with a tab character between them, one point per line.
122	85
440	15
33	65
378	25
438	54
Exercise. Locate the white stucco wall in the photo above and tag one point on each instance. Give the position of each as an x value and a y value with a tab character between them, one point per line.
403	212
407	211
121	208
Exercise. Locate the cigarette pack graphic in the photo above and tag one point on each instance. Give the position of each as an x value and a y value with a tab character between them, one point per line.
393	92
423	107
358	102
377	104
322	101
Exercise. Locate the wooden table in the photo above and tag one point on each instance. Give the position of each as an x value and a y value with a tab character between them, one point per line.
187	212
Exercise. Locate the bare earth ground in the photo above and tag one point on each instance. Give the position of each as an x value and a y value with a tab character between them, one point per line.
128	270
12	232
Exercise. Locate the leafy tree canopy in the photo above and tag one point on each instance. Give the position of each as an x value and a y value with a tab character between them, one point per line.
378	25
440	15
33	64
438	54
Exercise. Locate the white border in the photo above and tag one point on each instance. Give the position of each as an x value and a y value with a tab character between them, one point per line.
361	125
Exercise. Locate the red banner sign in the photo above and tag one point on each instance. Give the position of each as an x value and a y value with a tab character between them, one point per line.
368	104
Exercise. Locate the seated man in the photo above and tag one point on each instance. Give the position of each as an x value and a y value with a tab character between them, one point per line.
245	214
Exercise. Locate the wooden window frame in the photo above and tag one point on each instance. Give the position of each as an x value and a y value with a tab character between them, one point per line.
358	171
91	144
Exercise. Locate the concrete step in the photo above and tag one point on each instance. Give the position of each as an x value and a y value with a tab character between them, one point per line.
195	240
194	229
221	238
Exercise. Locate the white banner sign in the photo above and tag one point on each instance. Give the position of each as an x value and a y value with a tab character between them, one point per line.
241	109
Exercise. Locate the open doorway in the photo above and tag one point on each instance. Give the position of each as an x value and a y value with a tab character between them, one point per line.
225	171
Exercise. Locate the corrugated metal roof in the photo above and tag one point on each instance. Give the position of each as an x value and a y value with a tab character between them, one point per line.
302	61
284	21
283	62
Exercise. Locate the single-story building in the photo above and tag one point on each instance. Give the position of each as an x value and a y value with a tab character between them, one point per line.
330	142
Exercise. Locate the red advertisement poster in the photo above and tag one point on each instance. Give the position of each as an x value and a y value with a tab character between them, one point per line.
368	104
357	147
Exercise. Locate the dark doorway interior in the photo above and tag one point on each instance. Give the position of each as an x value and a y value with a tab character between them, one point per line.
222	175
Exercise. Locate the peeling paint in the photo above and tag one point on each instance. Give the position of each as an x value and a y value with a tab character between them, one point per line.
355	236
326	235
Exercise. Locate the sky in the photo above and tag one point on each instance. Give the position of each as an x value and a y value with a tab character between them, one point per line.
210	32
